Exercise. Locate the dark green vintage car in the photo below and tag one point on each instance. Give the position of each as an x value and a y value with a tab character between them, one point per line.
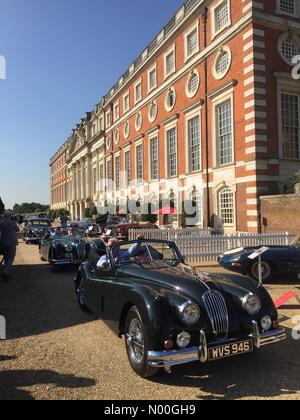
169	313
35	229
64	247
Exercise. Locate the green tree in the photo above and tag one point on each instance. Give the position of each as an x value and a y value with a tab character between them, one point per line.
2	206
289	187
87	213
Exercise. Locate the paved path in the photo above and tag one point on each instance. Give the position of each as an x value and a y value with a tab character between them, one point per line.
54	351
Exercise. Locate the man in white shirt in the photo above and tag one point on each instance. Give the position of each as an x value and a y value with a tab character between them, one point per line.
121	254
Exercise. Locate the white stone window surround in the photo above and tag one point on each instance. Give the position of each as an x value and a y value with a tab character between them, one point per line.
222	50
188	117
188	93
219	192
225	96
172	125
284	37
127	153
167	105
154	135
137	145
152	118
127	129
137	98
116	110
214	7
150	72
188	55
282	12
126	106
171	50
285	85
138	121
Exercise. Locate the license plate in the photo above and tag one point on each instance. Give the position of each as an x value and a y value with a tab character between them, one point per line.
230	350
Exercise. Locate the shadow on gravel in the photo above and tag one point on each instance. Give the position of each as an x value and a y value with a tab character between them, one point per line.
272	373
37	301
13	382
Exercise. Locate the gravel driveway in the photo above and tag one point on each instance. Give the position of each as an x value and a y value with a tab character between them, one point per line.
53	351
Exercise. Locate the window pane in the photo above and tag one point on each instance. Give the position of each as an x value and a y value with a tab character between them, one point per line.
221	15
192	42
290	126
139	164
170	63
128	167
154	158
226	203
288	6
224	133
117	169
172	152
194	144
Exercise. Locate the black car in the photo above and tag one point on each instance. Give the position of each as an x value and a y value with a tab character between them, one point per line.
64	247
278	260
169	313
35	229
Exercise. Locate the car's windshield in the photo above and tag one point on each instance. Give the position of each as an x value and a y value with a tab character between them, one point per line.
296	243
39	223
145	253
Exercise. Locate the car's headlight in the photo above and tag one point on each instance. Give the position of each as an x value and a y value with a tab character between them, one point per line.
190	313
69	248
252	304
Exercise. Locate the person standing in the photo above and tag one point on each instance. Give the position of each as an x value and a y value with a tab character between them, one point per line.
8	243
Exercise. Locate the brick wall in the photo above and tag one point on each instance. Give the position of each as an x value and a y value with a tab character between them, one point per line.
280	213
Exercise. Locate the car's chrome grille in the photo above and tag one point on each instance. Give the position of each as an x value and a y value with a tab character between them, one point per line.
217	312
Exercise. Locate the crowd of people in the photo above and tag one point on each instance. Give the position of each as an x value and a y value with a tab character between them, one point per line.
8	243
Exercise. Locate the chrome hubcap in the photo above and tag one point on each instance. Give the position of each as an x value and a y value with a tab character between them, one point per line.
81	292
135	341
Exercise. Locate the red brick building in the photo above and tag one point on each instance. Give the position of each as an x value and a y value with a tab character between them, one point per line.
58	179
211	106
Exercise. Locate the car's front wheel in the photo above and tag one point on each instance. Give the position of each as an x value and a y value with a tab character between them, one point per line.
80	292
267	271
137	346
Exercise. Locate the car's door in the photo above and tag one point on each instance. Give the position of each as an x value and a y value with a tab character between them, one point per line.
96	288
45	247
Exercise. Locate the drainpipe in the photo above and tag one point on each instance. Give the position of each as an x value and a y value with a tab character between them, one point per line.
204	20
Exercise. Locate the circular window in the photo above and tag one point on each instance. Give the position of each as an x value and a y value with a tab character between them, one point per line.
117	137
193	84
153	109
222	63
138	121
108	142
170	100
126	130
289	47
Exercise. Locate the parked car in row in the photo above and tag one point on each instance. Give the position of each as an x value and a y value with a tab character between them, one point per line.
64	247
278	260
35	229
170	314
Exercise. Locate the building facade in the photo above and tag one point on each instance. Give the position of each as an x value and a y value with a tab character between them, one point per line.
209	110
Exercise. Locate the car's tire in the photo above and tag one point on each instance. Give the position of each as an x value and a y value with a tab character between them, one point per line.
267	268
80	294
51	263
136	343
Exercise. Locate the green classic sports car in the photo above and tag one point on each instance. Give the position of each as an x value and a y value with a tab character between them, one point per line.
169	313
64	247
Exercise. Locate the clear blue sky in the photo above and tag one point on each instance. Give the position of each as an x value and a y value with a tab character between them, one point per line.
62	56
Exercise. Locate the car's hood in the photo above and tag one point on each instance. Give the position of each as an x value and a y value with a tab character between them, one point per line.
184	280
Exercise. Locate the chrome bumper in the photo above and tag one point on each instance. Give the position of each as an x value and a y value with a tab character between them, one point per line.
194	354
